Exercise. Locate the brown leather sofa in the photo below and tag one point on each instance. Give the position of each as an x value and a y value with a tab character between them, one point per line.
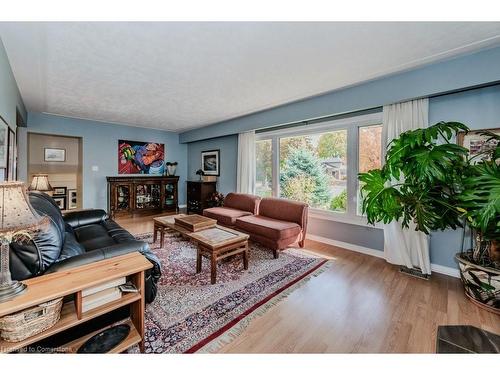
278	224
275	223
235	205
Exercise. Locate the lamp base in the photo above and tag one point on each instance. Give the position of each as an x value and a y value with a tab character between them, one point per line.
9	291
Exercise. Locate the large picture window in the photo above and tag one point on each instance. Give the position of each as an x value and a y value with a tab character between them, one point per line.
318	164
313	169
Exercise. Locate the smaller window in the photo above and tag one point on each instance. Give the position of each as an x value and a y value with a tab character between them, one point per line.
263	168
369	153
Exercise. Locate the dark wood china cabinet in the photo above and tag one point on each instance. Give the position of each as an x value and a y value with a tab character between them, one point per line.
142	195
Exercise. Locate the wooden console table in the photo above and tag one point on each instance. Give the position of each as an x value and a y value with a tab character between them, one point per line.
71	282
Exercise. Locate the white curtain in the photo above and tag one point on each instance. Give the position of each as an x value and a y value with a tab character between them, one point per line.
406	246
245	182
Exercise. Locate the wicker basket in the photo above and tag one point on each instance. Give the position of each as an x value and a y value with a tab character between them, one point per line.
29	322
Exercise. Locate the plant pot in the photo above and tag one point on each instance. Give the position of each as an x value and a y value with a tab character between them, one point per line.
481	284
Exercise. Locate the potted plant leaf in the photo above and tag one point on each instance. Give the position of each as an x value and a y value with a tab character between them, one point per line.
200	173
434	183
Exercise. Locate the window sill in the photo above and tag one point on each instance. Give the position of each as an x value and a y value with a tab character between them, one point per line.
341	218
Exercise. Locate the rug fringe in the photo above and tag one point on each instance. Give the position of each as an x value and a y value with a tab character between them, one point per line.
235	331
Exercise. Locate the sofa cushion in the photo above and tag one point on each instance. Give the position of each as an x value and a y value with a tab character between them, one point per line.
85	217
284	209
116	232
268	227
242	202
224	215
94	236
71	247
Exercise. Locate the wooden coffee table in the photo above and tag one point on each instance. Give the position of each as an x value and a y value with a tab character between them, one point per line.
214	243
196	222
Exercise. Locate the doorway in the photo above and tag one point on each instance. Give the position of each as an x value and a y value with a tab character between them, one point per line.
61	158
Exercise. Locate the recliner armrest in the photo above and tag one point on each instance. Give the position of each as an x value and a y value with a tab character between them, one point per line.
85	217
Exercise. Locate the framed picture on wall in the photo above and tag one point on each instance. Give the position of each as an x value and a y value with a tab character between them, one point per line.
4	139
11	156
61	202
210	162
60	190
55	154
137	157
72	199
477	143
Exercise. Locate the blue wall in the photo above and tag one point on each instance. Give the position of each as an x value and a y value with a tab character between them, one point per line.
465	71
100	143
478	109
10	98
228	147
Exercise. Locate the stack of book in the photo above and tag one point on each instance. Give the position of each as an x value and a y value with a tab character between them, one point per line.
101	294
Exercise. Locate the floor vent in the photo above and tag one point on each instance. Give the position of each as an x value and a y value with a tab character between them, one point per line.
416	272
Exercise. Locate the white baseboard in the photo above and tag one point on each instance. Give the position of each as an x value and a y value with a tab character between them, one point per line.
346	245
450	271
377	253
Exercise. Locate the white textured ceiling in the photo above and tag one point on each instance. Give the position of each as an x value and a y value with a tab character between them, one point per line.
179	76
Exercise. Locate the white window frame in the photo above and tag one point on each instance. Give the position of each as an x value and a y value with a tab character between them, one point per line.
352	125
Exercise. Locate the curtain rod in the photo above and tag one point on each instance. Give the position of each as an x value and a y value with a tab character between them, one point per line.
366	111
321	119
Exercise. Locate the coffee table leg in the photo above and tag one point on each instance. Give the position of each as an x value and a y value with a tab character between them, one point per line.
213	271
245	257
198	260
155	230
162	236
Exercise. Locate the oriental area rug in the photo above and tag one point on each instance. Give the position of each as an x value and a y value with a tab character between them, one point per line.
191	315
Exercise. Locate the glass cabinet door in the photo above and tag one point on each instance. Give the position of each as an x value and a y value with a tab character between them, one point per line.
123	197
147	195
170	195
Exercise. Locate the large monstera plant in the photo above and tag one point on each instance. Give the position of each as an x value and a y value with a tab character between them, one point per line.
431	183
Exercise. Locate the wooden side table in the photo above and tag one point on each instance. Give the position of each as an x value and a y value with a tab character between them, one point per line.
71	282
219	243
213	243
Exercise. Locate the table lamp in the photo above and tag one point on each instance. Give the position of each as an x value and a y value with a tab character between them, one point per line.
41	183
17	220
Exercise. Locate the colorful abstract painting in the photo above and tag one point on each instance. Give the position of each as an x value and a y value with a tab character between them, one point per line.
140	158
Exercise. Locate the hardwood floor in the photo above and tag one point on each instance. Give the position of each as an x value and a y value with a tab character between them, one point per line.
361	304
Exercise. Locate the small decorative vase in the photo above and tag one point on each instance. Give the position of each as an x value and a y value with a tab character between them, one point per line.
171	170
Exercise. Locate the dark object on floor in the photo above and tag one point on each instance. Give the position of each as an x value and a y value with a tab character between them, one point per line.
106	340
466	339
416	272
74	239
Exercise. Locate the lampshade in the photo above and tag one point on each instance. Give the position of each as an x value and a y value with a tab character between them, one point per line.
40	182
16	212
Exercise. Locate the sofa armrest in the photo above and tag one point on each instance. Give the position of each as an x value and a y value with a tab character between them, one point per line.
79	260
152	275
97	255
77	219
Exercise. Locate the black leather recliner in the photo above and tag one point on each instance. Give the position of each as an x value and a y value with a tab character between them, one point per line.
74	239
